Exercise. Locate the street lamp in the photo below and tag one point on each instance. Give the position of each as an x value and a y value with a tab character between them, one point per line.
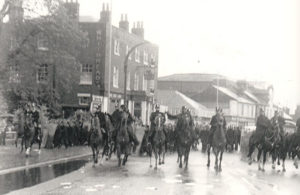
126	66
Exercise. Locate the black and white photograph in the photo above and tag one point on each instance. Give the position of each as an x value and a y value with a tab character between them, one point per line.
140	97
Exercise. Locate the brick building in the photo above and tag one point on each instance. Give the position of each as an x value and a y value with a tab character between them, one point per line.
101	58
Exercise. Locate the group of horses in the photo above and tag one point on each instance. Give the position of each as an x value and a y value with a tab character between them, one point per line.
113	138
278	145
182	137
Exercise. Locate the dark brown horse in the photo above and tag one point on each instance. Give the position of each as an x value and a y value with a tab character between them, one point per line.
159	141
109	145
184	138
122	141
96	137
218	144
29	135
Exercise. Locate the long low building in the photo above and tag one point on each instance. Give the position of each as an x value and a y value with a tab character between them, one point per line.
174	100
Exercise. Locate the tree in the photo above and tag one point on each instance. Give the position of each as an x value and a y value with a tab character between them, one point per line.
45	40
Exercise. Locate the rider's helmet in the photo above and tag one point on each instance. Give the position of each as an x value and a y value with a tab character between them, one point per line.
157	107
123	107
183	109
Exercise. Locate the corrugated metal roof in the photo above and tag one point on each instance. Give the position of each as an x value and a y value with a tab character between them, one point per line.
175	99
253	97
191	77
233	95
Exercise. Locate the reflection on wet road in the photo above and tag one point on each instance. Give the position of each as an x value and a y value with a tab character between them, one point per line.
138	178
29	177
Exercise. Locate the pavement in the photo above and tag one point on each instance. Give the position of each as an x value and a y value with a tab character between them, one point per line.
137	177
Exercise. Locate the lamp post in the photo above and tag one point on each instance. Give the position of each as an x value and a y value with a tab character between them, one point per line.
126	66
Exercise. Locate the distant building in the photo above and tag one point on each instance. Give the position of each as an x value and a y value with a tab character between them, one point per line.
191	83
174	100
238	110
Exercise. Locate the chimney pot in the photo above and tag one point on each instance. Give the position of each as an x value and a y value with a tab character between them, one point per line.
103	7
107	7
126	19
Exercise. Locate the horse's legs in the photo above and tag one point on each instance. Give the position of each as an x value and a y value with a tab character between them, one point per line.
208	156
163	155
187	153
251	150
216	159
259	159
264	160
220	163
93	150
97	153
273	159
156	156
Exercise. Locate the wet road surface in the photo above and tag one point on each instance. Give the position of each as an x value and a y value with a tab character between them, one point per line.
138	178
30	177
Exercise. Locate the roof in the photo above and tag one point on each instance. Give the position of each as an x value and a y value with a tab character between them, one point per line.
191	77
87	19
232	95
174	100
252	97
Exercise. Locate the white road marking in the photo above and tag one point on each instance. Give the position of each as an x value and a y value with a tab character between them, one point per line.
115	186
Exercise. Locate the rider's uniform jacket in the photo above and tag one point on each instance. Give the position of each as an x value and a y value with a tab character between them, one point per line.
217	120
153	116
101	117
115	116
262	123
35	116
179	117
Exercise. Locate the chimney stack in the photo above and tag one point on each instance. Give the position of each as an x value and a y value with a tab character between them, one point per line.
105	13
124	24
138	29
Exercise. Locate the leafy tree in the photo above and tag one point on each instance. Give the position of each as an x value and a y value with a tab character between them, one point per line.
21	59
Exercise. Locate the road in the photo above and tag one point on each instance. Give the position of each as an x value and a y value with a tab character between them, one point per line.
137	177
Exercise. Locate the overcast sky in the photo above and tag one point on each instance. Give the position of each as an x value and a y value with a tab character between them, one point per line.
254	40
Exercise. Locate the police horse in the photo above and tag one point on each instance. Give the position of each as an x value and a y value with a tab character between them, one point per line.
268	141
184	139
218	145
122	141
96	137
159	141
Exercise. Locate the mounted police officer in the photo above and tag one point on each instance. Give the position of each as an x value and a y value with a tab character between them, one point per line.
36	121
130	121
152	121
217	120
184	112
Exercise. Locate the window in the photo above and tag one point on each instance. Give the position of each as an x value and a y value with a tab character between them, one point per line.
84	99
86	74
86	40
136	82
14	74
127	50
42	73
98	35
42	42
128	81
152	60
144	83
151	86
137	55
117	47
116	77
87	68
145	58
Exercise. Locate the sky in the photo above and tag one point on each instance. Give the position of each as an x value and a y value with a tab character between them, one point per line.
253	39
